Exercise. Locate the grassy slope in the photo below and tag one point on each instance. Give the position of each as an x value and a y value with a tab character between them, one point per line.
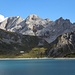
29	45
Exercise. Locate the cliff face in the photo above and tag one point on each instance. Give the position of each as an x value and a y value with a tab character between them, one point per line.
37	36
63	46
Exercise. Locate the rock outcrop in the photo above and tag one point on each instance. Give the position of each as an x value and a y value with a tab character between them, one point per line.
62	46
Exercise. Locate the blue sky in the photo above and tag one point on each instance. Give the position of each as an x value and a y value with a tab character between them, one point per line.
52	9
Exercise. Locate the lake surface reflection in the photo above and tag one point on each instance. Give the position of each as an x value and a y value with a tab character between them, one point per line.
37	67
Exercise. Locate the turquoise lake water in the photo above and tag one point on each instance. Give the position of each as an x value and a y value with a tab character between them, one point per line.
37	67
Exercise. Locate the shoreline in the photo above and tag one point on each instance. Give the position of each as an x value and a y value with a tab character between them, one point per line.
36	58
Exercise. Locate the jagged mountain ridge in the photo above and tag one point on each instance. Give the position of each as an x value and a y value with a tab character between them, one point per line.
17	24
50	30
57	37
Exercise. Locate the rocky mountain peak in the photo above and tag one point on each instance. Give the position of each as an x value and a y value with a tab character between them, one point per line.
60	20
32	17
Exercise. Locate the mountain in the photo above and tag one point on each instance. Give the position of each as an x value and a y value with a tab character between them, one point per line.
37	37
25	27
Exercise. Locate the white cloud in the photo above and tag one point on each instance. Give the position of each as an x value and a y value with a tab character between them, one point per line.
2	18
